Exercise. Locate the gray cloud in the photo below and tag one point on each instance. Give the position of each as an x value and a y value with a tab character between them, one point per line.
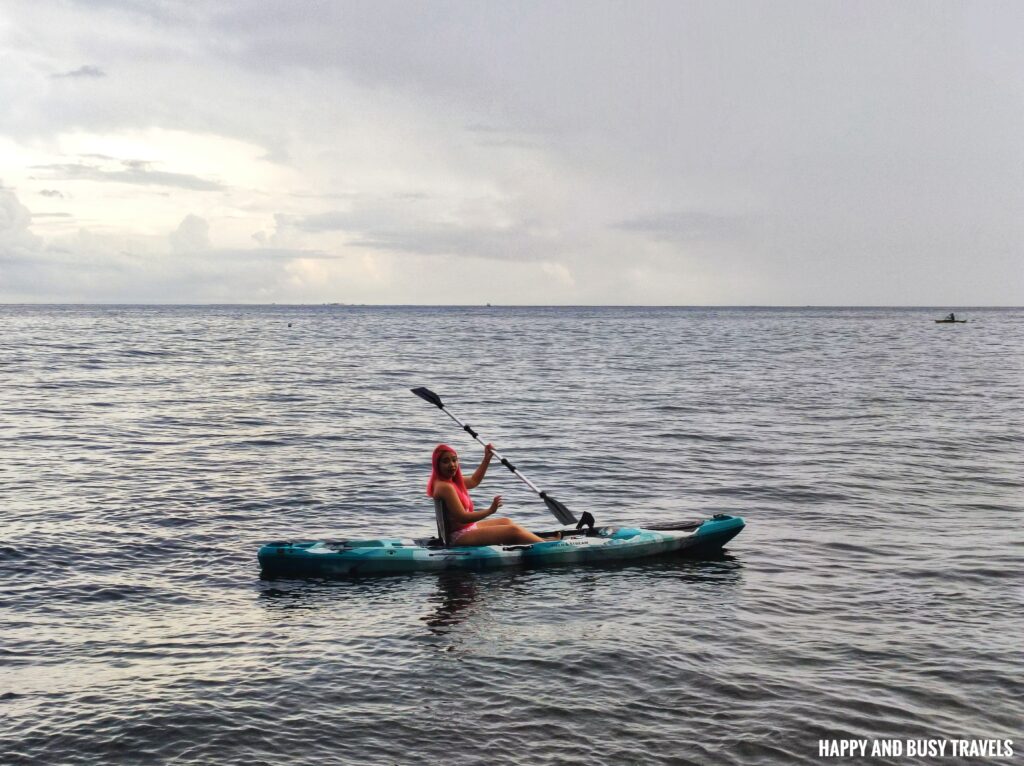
274	254
391	226
479	127
506	137
509	243
509	143
52	193
134	172
686	226
334	220
82	71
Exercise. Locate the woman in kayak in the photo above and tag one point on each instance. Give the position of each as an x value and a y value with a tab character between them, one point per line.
471	527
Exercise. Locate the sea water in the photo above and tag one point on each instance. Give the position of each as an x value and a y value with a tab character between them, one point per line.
147	452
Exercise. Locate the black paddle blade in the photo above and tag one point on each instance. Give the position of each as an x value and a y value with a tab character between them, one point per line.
562	513
428	395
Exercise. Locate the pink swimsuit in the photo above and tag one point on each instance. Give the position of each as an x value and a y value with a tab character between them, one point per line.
460	532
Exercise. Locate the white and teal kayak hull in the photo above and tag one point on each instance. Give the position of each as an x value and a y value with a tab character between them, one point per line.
344	558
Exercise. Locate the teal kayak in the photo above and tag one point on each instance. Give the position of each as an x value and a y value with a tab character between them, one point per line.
345	558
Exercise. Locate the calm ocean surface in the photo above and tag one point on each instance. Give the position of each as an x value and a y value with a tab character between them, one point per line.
147	452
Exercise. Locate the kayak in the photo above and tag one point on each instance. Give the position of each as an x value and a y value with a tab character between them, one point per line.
950	321
344	558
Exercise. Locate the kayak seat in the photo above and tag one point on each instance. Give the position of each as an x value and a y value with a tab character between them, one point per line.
443	527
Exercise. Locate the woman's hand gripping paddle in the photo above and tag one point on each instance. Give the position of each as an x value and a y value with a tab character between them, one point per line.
563	514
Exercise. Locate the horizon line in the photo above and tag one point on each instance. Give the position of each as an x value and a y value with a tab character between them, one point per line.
166	304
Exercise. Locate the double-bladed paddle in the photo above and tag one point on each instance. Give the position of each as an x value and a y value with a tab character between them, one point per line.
561	513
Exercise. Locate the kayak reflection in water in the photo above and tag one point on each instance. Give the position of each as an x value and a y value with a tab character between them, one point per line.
471	527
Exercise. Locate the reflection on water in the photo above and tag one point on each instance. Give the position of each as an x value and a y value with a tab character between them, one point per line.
456	593
312	594
456	597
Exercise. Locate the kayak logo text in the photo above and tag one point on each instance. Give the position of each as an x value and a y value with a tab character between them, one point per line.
929	748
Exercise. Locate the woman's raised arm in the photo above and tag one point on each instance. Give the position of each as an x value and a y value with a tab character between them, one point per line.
481	470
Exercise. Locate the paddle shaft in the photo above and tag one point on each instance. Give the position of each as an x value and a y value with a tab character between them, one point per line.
469	430
560	512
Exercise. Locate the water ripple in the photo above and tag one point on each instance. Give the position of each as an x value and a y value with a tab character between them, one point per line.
148	451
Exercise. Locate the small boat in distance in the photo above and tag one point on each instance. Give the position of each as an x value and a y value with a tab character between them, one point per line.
950	319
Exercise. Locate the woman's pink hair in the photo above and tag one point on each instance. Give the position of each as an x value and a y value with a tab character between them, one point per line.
457	480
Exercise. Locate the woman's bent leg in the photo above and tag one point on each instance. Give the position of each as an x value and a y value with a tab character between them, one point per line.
498	534
503	521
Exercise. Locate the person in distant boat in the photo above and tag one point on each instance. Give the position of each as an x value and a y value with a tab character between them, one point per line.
951	317
471	527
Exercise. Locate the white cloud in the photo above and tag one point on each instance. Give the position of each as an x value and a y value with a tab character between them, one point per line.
191	236
17	242
558	272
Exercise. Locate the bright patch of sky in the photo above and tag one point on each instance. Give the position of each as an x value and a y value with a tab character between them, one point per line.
513	153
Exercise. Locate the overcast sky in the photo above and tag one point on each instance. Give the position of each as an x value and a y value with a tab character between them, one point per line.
769	153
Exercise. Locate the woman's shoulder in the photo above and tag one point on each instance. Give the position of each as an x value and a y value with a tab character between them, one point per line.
444	490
